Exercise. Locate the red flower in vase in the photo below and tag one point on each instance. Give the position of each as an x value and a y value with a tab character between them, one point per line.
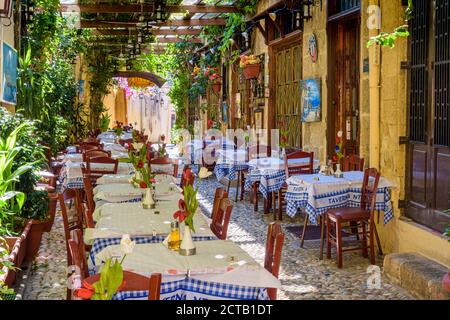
335	158
140	164
181	214
210	123
85	292
152	180
143	185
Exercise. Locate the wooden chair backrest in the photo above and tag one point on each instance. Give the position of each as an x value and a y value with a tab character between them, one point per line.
123	142
166	161
294	169
87	147
369	190
137	282
102	160
258	151
221	220
72	195
353	163
220	194
274	248
89	154
76	236
89	190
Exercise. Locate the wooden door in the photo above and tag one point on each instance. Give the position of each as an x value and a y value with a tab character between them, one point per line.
288	73
428	174
345	101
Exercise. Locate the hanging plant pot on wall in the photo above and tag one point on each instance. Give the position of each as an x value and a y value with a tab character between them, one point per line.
216	87
251	71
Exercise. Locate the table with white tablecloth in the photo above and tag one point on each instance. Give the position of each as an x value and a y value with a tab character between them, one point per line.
71	175
316	194
270	173
219	270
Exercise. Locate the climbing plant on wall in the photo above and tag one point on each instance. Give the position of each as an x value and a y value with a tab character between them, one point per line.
47	86
101	68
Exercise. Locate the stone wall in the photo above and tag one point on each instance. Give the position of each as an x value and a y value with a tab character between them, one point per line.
315	133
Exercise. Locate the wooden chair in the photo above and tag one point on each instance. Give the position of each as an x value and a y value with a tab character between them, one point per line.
123	142
95	154
89	191
166	161
88	147
71	221
353	163
47	182
220	194
102	160
254	152
274	247
207	164
79	258
221	219
187	179
137	282
363	217
291	168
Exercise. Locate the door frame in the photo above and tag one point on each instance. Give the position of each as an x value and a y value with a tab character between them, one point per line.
293	38
332	31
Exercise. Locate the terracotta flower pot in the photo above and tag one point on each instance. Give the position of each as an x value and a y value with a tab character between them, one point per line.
18	249
216	87
251	71
34	238
446	282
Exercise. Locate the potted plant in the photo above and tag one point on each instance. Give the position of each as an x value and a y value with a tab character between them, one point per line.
5	266
42	217
251	66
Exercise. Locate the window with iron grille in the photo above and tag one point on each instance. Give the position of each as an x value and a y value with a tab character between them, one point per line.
442	74
341	6
419	74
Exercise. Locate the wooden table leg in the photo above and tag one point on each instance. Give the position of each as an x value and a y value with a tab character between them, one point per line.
238	186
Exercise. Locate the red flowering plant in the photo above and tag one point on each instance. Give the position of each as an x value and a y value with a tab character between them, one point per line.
137	153
189	205
162	149
118	129
338	155
111	276
147	178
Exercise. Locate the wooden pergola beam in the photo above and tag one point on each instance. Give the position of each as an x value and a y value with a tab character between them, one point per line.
157	40
136	8
169	23
156	32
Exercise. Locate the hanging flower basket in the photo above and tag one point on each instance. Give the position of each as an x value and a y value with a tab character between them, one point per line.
216	87
251	71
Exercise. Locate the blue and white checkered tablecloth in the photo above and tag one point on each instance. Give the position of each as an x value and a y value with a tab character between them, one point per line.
194	289
332	195
229	170
101	243
270	179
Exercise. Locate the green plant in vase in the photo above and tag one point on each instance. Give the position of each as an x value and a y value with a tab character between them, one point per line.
187	208
111	276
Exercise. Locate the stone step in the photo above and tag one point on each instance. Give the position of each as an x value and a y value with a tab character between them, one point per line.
417	274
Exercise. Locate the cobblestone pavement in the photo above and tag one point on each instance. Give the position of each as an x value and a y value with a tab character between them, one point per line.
302	274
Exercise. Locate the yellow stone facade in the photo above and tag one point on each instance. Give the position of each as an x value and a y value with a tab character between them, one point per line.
400	235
